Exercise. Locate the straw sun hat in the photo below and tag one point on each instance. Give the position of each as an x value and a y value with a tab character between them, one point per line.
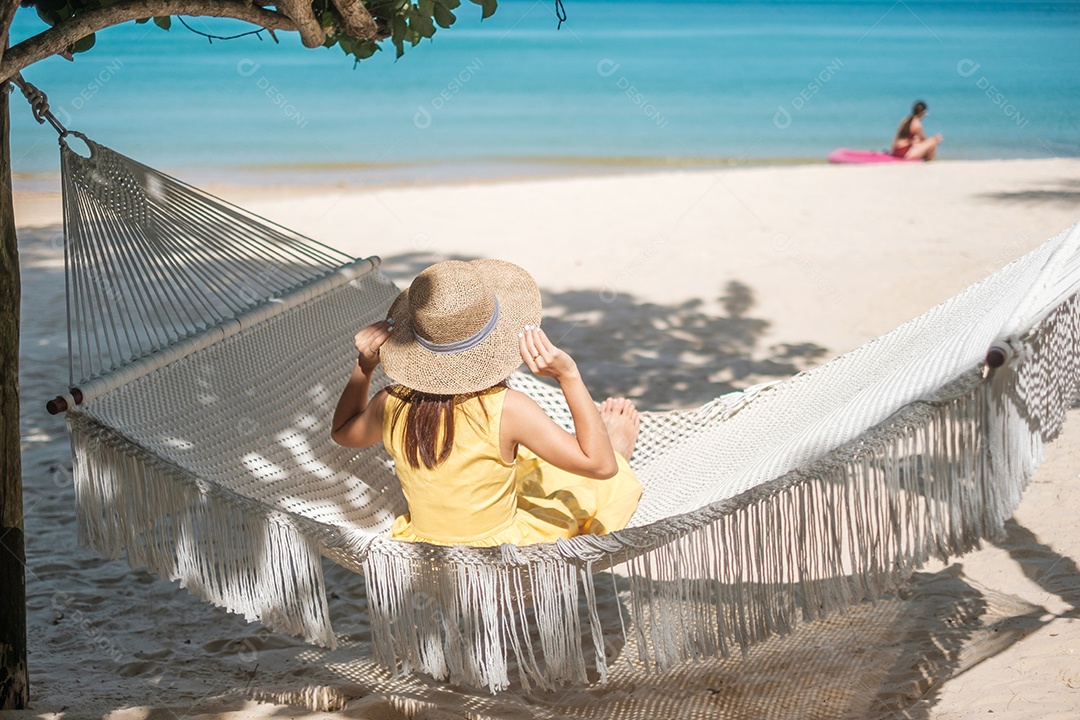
456	327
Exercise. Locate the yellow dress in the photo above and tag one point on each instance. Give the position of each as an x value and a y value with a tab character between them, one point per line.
475	498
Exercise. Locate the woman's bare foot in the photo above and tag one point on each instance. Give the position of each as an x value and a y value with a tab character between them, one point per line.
622	421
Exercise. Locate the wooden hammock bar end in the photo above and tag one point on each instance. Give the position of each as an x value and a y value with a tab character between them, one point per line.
60	404
998	355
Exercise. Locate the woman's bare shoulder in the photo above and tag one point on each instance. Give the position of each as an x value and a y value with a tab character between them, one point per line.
521	409
515	400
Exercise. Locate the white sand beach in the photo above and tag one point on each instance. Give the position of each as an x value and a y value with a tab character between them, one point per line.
815	260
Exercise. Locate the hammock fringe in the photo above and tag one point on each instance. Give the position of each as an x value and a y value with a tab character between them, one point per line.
130	503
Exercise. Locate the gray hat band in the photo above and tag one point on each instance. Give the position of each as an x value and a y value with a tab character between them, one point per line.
461	345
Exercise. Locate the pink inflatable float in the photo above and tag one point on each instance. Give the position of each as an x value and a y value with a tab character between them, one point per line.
847	155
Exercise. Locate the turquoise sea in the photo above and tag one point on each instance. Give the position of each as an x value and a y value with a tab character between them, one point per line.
623	84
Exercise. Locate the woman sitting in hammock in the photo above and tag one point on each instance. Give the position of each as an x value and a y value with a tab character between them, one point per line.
479	463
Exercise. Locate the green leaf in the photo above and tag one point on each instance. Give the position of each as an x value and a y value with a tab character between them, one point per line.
398	29
444	17
164	22
449	4
142	21
357	48
489	7
427	7
421	24
84	44
54	12
366	50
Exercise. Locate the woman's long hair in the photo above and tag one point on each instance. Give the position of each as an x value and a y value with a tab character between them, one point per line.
905	127
429	423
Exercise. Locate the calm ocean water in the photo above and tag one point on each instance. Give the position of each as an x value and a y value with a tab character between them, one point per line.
622	84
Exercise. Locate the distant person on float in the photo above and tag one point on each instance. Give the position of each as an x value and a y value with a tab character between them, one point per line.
911	142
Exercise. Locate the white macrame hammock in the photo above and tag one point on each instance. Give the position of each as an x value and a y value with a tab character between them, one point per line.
208	347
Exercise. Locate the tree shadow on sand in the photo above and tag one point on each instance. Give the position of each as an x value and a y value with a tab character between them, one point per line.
1066	190
662	356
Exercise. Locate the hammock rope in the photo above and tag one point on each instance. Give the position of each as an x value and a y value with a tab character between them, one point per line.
154	261
209	346
39	103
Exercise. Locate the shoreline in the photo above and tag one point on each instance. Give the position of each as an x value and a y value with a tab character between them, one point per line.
38	196
321	177
336	176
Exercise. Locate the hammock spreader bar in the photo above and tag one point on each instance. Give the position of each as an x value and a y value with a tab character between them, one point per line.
161	358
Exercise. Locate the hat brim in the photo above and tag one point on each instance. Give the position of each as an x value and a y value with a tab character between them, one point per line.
490	362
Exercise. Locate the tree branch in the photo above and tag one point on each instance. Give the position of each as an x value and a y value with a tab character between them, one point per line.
311	30
58	39
356	20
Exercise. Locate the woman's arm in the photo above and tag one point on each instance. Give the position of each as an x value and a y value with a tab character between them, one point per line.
589	453
916	130
358	422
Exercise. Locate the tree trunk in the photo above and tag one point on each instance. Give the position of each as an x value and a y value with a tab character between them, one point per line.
14	681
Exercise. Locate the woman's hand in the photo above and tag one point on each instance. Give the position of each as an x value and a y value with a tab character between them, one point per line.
368	341
542	357
588	450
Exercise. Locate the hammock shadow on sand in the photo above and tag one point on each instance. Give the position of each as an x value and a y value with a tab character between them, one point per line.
876	660
1055	573
873	660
